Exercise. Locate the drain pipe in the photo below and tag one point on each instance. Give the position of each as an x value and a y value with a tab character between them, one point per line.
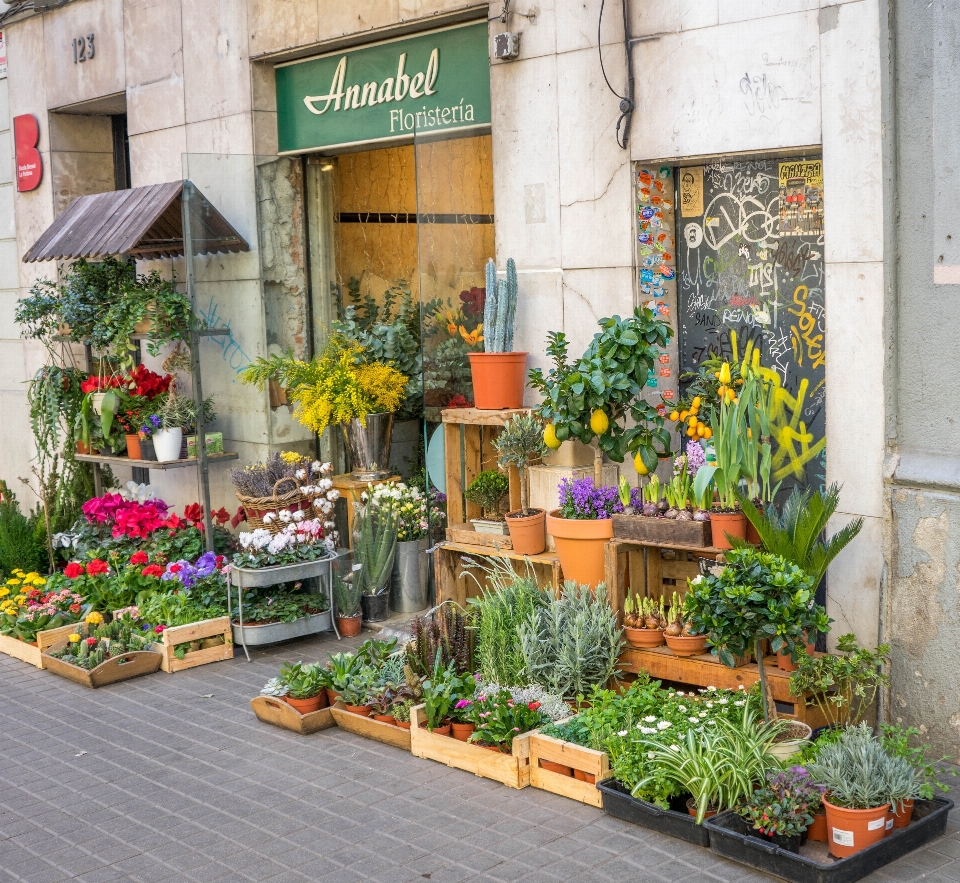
626	101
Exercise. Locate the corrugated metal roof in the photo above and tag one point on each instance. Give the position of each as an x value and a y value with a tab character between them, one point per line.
143	222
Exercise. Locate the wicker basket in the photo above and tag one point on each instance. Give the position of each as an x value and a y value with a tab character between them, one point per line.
255	508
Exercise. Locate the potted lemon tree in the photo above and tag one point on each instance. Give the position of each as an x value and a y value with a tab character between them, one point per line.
596	399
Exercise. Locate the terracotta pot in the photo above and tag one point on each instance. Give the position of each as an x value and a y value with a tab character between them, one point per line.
385	718
404	725
687	646
692	809
818	830
581	776
332	695
850	830
643	637
498	380
442	730
82	448
133	446
552	767
902	819
305	706
723	523
751	535
362	710
580	545
526	532
784	663
349	626
462	732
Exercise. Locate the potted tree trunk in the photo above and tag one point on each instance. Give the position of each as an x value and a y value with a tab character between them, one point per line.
521	444
499	373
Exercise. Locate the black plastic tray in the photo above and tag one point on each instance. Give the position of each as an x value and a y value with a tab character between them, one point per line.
729	837
618	802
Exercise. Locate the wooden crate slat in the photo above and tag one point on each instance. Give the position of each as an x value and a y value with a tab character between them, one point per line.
454	585
468	535
476	417
196	631
281	714
454	475
370	728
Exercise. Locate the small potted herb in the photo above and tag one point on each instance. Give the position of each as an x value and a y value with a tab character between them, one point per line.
896	740
782	810
487	490
521	444
499	719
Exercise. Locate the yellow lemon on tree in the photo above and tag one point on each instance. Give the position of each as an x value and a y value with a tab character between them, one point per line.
674	415
638	464
692	420
684	415
701	430
692	432
696	401
599	422
550	437
708	433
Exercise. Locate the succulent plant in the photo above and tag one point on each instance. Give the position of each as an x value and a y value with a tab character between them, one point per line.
500	308
275	687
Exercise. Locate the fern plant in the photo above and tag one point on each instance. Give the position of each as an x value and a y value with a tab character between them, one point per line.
794	532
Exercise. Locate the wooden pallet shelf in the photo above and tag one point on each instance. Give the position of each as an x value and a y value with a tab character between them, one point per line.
455	582
108	460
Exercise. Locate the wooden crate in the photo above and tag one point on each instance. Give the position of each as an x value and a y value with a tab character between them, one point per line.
664	531
120	668
196	631
281	714
456	582
509	769
468	434
587	760
707	671
371	728
33	653
466	534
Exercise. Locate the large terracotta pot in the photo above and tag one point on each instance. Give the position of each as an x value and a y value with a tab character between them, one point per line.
526	532
850	830
461	731
723	523
498	380
580	544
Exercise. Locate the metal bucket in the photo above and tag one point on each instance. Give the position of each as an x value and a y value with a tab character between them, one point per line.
410	589
369	446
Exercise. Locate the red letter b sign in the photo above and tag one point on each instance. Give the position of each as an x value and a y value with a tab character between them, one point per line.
26	134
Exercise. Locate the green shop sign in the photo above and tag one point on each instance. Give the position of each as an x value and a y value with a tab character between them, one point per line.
436	82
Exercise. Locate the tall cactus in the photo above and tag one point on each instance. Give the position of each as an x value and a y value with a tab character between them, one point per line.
500	309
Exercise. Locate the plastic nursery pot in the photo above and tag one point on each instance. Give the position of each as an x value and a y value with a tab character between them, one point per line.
461	732
404	725
332	695
723	523
374	607
526	531
751	535
901	818
133	446
442	730
850	830
784	662
362	710
305	706
818	830
552	767
349	626
643	637
687	645
580	544
498	379
798	734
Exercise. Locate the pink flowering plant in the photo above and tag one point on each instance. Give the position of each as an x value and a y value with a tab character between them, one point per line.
301	539
499	719
30	603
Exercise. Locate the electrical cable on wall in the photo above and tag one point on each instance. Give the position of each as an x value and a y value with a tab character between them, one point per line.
626	101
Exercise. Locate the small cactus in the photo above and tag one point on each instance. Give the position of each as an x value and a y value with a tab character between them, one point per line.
97	657
500	309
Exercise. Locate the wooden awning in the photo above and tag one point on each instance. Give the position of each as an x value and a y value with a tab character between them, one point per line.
143	222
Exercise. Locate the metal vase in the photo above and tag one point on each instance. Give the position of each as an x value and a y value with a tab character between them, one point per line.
369	446
410	589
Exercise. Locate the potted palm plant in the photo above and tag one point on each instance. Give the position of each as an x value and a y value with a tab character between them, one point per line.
521	444
498	373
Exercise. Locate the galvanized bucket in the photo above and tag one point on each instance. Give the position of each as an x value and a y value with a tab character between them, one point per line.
410	589
369	446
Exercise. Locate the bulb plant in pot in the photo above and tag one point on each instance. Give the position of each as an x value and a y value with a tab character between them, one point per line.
598	399
498	372
375	544
679	631
521	444
306	686
488	491
643	621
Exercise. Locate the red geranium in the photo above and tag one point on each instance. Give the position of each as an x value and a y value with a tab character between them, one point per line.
152	570
73	570
221	515
173	522
176	568
140	557
96	567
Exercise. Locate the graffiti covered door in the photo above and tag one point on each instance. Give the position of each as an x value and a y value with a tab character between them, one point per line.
750	274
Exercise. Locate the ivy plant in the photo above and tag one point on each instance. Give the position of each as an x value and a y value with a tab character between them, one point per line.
609	377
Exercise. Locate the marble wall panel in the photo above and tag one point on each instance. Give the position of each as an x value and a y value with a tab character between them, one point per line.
153	46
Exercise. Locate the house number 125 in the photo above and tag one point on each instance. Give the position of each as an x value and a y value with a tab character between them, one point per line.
83	48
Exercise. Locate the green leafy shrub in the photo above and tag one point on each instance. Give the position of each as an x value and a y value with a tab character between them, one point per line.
487	490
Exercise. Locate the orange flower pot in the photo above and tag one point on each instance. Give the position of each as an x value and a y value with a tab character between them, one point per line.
526	531
784	663
723	523
133	447
348	626
818	830
580	545
643	637
687	645
305	706
850	830
498	380
902	819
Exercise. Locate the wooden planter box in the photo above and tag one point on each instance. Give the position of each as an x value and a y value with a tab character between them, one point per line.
282	714
196	631
121	668
466	533
509	769
34	653
667	531
369	728
587	760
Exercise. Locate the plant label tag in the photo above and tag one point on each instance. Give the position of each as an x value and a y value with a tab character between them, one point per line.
876	824
356	567
889	823
842	838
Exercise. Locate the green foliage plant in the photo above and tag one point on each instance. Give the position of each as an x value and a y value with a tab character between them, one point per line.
303	681
844	684
449	634
796	531
859	773
520	444
755	596
346	595
610	376
22	537
442	690
896	741
571	644
487	490
375	544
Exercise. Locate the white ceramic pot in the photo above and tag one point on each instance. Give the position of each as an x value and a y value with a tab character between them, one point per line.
166	444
